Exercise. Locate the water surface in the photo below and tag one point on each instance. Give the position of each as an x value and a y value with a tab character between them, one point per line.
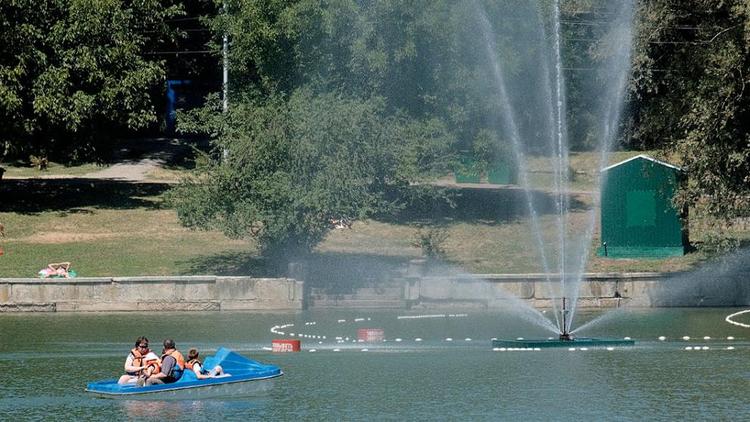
47	359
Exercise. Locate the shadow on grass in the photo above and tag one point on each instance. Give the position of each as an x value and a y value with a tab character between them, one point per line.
232	264
32	196
487	205
336	273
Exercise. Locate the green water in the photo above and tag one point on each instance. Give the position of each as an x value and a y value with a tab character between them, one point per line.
47	359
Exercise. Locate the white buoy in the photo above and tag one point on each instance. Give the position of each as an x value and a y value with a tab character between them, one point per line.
662	338
571	349
417	339
467	339
398	340
320	342
342	320
730	338
730	348
448	339
707	338
686	338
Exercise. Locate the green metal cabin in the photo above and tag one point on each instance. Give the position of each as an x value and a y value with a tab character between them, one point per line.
637	215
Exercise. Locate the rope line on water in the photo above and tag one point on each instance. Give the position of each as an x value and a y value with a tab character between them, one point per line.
729	318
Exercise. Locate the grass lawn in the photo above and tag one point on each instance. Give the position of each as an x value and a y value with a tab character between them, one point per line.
124	229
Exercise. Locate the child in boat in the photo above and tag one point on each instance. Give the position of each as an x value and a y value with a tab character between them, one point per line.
197	367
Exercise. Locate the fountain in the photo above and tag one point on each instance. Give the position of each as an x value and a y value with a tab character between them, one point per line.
565	339
565	293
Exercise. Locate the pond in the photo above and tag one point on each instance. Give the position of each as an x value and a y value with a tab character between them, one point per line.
433	365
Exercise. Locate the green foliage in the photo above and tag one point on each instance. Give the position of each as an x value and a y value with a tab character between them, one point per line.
294	166
692	101
489	149
431	240
73	70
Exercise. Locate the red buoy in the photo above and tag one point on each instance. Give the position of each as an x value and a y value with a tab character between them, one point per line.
285	345
370	334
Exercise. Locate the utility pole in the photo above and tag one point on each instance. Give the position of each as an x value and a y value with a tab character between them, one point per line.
225	78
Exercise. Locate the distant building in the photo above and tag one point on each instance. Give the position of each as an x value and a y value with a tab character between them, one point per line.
638	218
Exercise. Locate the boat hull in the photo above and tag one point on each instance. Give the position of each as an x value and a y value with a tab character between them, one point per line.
228	389
243	377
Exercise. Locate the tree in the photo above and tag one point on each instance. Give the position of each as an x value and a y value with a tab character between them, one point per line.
296	165
689	82
71	71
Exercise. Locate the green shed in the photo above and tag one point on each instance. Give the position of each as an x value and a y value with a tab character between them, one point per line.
637	215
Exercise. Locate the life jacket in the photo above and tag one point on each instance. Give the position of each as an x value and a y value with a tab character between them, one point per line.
176	370
137	360
137	357
153	366
189	364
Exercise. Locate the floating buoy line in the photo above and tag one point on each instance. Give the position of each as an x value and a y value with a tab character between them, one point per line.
730	320
284	330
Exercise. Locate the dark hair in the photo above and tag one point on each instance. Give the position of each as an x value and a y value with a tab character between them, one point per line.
140	340
192	354
169	343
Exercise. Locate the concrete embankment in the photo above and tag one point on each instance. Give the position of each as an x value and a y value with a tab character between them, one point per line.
190	293
599	290
211	293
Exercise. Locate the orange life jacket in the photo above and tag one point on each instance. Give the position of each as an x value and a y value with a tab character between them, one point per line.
137	357
189	364
153	366
177	356
177	372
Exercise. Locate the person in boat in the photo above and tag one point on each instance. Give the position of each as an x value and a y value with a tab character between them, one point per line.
199	370
172	365
141	360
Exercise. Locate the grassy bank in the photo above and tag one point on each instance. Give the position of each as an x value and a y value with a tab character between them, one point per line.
110	228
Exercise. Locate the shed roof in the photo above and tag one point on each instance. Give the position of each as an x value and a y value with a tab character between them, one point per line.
645	157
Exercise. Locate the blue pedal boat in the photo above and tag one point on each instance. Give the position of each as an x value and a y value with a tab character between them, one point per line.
246	377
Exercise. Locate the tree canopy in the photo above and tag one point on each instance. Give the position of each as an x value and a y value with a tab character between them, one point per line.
688	99
72	71
295	166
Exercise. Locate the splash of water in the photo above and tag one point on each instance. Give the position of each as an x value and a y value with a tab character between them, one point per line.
620	39
509	121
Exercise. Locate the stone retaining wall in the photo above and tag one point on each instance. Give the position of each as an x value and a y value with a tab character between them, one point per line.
189	293
210	293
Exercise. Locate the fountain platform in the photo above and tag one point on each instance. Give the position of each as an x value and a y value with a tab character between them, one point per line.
556	342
